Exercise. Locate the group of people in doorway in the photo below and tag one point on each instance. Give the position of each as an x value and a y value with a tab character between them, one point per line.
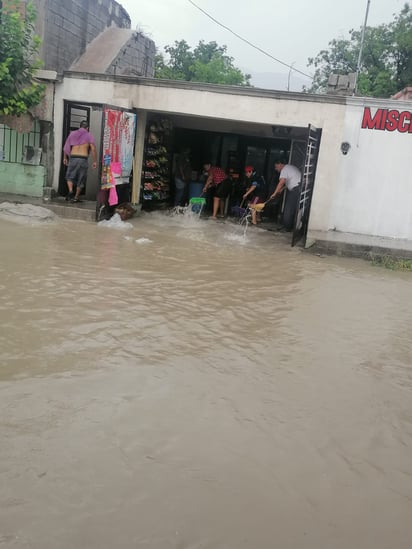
218	187
289	182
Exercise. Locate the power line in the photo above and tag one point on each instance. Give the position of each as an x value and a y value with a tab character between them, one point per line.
249	43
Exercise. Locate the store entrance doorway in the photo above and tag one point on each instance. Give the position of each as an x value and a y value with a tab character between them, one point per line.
231	145
74	113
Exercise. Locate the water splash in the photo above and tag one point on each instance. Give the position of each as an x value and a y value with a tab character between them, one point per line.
115	222
236	237
191	211
143	240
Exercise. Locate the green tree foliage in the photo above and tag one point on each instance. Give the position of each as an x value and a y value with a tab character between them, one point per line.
386	60
208	62
18	61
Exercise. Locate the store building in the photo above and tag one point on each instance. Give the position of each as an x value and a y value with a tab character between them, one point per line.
353	151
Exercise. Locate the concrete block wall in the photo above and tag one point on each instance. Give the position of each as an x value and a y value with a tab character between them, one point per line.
136	58
67	26
22	179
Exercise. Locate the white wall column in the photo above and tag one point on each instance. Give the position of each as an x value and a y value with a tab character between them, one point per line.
138	156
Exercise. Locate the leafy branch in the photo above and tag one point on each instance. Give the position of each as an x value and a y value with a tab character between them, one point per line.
19	48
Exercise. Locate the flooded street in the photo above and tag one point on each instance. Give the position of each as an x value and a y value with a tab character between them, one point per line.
176	385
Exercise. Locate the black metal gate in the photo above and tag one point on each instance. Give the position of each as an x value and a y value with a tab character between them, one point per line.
300	228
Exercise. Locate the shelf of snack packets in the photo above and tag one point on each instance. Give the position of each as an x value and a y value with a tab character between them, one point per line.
156	163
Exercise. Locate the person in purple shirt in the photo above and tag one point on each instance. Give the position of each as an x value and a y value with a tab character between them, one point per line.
77	148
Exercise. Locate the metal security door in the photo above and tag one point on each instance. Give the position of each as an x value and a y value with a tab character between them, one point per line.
308	178
73	115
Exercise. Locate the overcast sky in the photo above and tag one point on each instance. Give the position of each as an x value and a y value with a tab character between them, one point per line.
291	30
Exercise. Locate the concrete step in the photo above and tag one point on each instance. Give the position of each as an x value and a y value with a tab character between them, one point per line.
84	211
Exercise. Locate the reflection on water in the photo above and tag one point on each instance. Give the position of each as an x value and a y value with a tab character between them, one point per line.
181	385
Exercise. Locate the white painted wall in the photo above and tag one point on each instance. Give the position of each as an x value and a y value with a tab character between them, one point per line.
254	106
373	194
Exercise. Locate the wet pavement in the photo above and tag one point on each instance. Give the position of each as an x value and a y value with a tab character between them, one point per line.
174	383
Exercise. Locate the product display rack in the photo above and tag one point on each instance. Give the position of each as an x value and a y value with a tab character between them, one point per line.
156	168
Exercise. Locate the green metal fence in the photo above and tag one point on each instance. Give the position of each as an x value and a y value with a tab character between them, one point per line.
18	147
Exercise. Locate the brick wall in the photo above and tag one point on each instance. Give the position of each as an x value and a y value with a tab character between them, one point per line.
13	5
67	26
136	58
404	95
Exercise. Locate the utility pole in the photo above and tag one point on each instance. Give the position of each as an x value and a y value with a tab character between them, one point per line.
358	66
290	71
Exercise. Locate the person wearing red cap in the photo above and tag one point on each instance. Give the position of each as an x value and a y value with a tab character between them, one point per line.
255	193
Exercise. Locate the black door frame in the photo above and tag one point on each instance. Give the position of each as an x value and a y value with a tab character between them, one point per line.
67	128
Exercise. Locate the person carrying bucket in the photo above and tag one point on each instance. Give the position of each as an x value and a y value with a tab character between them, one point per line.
218	180
256	192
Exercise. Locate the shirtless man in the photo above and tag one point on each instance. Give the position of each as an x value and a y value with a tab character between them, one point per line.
77	148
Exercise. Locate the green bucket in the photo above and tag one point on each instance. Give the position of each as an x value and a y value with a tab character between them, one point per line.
201	201
197	204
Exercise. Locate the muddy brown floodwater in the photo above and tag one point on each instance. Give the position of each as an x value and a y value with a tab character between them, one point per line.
177	385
